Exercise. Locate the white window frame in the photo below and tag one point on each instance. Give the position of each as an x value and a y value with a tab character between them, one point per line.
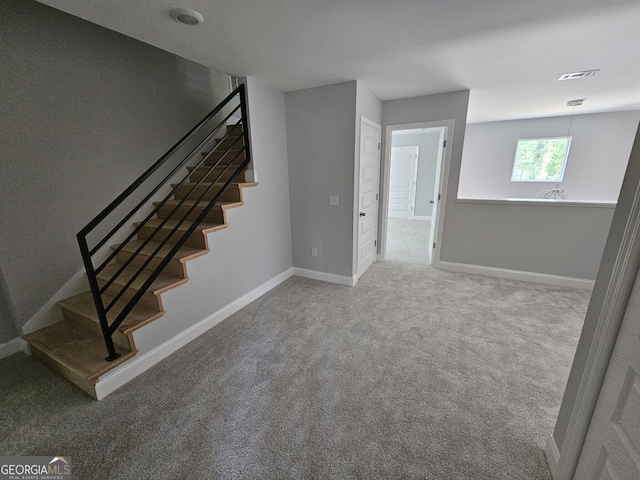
534	180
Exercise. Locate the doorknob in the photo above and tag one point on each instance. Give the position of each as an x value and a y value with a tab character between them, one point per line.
362	214
431	201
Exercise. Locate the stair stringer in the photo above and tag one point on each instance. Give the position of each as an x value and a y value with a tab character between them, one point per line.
208	298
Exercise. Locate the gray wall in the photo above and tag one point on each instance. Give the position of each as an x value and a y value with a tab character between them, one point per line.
600	289
428	159
84	111
598	156
548	239
8	328
321	132
431	108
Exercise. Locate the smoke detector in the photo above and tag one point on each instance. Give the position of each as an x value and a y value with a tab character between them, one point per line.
577	75
575	103
186	16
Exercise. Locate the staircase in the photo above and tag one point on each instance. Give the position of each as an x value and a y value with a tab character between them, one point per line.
96	334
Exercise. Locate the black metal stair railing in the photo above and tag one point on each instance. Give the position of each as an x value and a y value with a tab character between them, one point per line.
220	174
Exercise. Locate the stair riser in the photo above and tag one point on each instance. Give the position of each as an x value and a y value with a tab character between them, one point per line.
232	157
232	194
67	373
175	267
93	326
196	239
214	216
148	299
229	142
217	174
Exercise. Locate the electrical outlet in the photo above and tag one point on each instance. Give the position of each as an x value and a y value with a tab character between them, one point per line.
333	200
314	252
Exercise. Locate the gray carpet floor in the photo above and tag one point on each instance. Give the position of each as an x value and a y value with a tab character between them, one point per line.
412	373
408	240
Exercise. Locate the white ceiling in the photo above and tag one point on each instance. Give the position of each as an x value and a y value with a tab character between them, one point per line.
509	53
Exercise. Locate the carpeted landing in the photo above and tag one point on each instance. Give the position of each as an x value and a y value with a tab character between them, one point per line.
412	373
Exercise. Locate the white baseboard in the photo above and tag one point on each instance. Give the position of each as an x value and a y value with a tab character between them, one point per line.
552	455
422	218
118	377
325	277
13	346
533	277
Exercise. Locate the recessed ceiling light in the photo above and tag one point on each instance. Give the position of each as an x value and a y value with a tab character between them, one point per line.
186	16
577	75
575	103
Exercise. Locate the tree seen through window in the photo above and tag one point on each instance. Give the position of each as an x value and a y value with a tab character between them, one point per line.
540	159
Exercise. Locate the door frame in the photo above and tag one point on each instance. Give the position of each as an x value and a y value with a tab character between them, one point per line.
442	183
356	196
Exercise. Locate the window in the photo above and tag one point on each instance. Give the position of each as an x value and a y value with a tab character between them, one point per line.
540	159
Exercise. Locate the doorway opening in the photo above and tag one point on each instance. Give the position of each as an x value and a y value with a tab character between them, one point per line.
414	170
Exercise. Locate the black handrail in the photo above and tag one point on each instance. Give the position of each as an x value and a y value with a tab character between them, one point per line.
225	164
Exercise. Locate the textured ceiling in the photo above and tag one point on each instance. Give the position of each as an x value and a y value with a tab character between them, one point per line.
509	53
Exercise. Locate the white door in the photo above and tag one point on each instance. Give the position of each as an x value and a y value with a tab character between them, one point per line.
402	181
369	172
436	194
612	446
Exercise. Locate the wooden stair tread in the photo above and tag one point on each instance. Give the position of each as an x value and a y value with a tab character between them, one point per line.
183	254
204	227
231	167
82	304
236	148
218	184
190	203
76	349
158	286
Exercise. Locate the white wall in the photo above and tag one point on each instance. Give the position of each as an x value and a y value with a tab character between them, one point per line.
368	105
255	247
598	156
429	143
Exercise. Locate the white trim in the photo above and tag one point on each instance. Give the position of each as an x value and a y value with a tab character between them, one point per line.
14	346
552	455
118	377
355	228
539	201
325	277
521	275
422	218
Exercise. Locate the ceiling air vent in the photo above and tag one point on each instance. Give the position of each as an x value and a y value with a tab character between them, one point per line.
577	75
